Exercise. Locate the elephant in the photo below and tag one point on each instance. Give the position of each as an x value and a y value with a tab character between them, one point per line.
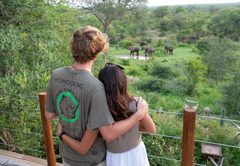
169	49
142	43
148	50
133	49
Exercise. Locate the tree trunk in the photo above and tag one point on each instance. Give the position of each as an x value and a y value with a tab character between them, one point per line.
180	35
239	38
218	74
105	28
235	107
226	32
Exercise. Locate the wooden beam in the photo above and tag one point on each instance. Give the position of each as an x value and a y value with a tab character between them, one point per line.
189	118
47	131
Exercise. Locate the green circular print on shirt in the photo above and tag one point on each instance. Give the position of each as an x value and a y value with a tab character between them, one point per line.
76	110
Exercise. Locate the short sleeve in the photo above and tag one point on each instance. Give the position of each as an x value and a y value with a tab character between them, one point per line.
49	106
100	114
90	128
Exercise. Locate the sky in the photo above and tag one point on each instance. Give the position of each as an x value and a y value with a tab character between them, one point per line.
186	2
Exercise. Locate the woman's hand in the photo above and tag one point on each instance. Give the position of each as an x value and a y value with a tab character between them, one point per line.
142	107
59	128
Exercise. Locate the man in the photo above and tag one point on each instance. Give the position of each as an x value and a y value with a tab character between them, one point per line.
79	100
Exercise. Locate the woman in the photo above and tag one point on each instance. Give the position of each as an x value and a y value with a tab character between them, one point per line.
128	149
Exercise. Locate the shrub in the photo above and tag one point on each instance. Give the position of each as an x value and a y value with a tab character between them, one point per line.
190	42
161	71
162	34
134	72
183	45
125	62
149	84
160	43
160	51
165	60
178	87
203	45
148	40
194	49
127	43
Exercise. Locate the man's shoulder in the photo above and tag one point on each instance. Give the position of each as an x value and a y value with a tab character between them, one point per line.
95	83
59	70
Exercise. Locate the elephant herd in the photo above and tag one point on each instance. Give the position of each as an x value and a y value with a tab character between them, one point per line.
148	50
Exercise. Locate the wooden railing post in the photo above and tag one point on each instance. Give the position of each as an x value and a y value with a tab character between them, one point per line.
189	117
47	131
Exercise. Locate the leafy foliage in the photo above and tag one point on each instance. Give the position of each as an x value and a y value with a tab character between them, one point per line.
196	71
161	11
231	94
179	21
220	54
127	43
159	70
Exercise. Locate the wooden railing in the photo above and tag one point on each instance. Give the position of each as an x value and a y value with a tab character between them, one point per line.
47	131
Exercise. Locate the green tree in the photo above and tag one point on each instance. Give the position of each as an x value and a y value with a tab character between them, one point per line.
179	9
197	26
203	45
20	12
220	23
195	71
234	17
179	21
107	11
142	22
112	35
231	93
161	11
164	23
133	30
213	9
220	54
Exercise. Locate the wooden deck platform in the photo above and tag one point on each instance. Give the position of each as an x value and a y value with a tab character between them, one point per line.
16	159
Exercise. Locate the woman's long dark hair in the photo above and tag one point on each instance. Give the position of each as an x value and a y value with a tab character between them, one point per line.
115	84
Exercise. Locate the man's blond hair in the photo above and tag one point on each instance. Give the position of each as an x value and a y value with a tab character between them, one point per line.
86	44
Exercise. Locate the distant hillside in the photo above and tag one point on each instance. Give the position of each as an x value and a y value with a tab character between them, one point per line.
203	5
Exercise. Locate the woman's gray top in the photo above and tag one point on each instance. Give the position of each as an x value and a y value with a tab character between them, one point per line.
128	140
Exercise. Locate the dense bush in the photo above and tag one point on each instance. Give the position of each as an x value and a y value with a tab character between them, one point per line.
183	45
150	85
160	70
125	62
134	72
148	40
203	45
126	44
160	43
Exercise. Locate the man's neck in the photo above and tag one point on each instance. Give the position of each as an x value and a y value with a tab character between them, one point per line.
83	66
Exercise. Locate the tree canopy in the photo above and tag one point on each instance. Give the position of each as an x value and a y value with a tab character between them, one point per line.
107	11
178	22
219	53
161	11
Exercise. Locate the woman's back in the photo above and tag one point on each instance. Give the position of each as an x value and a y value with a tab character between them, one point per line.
128	140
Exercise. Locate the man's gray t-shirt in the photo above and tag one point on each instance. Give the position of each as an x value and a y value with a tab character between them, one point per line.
79	99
